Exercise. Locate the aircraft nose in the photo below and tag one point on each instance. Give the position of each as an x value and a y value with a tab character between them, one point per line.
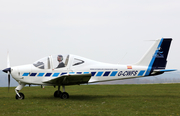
7	70
23	68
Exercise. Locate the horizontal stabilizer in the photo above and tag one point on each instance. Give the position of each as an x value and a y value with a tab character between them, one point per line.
157	72
166	70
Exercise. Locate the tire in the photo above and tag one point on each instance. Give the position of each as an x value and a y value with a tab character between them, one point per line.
56	94
21	96
64	95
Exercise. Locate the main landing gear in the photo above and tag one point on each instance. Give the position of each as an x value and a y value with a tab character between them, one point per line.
62	95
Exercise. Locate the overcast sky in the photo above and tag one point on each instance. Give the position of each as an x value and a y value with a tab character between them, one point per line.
113	31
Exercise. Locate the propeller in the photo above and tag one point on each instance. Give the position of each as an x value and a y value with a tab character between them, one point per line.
8	70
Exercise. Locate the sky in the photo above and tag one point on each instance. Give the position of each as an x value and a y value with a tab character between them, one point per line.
112	31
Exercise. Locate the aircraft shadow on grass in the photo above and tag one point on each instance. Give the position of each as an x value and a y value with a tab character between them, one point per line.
120	97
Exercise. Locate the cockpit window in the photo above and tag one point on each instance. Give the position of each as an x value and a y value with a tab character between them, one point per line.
52	62
77	62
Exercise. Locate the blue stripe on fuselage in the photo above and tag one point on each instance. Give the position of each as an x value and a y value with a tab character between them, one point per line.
141	73
41	74
25	74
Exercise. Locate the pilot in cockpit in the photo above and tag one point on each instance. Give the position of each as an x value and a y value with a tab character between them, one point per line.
61	64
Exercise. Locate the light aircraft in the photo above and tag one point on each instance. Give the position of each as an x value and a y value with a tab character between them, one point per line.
63	70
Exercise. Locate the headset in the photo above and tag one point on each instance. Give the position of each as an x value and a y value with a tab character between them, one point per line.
61	57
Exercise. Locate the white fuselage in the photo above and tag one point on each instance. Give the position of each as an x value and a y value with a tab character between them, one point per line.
29	74
62	70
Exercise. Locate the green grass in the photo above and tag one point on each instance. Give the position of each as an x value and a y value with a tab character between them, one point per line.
124	100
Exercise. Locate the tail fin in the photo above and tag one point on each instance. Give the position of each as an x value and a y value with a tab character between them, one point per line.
156	57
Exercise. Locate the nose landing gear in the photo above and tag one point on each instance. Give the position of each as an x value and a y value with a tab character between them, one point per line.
19	96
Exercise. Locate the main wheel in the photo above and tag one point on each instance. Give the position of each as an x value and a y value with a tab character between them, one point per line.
57	94
21	96
64	95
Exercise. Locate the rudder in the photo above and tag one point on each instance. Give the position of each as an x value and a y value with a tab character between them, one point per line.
156	57
161	54
159	59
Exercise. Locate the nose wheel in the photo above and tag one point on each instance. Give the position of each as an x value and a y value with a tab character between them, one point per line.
20	97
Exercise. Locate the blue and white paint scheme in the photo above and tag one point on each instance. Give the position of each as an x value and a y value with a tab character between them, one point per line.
62	70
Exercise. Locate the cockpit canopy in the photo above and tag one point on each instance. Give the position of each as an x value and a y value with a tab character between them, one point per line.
52	62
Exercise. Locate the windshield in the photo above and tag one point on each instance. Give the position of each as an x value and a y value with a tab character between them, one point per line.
52	62
43	63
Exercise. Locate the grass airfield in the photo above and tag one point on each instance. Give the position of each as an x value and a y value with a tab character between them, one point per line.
124	100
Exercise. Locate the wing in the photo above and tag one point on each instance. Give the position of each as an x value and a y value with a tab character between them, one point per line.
70	79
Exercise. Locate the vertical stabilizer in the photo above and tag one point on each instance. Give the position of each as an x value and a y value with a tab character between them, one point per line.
156	57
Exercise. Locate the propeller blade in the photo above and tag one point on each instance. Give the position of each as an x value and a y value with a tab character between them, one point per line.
8	60
8	81
8	70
